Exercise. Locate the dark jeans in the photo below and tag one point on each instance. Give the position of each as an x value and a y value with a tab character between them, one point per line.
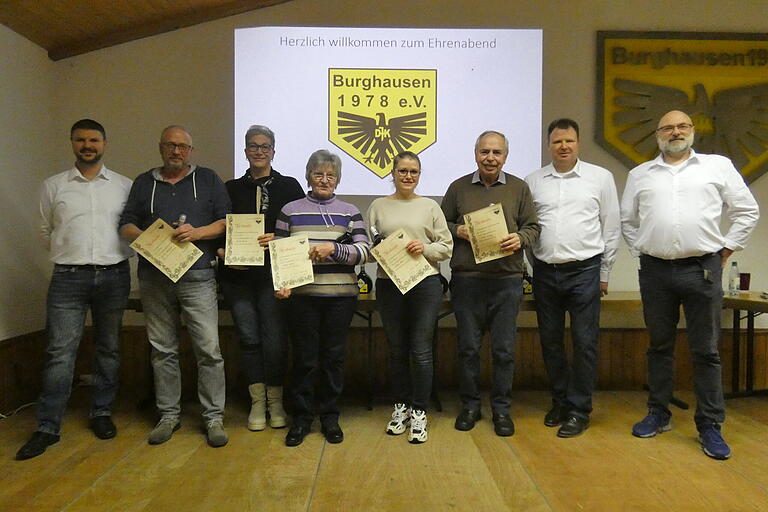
409	321
573	288
73	289
319	327
259	321
664	286
486	304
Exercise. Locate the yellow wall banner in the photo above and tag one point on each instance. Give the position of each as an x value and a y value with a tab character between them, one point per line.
374	114
719	79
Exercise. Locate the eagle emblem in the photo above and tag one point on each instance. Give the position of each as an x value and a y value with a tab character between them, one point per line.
374	114
718	79
734	122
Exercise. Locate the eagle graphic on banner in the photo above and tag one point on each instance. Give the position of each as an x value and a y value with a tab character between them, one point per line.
378	139
733	123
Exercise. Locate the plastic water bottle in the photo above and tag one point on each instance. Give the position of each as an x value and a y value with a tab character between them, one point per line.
733	280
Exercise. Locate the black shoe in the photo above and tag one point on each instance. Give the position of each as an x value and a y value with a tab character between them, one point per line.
103	427
36	445
466	419
333	433
502	425
556	415
573	426
296	435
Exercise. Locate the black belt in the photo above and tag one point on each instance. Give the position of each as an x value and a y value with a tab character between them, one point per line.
94	267
571	265
692	260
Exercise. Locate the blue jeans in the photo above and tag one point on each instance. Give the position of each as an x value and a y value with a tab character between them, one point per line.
194	297
319	327
409	322
258	316
574	288
73	289
664	286
481	304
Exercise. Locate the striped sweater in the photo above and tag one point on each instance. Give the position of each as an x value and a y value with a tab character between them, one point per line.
326	220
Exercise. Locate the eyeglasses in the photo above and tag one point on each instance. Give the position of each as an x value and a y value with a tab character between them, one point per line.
317	176
669	128
253	148
405	172
171	146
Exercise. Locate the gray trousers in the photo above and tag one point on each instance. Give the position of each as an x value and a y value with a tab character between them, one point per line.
196	301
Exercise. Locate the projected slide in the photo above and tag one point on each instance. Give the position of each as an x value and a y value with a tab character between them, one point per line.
370	93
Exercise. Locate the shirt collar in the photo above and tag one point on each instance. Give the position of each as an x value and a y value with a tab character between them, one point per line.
551	171
75	174
502	179
159	177
659	161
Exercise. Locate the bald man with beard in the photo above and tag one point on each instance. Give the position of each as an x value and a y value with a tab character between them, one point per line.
670	218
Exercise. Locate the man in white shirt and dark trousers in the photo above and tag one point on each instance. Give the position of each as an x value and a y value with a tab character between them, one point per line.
80	209
670	217
578	211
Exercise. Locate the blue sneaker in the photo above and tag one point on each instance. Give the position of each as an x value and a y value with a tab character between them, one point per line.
654	423
713	443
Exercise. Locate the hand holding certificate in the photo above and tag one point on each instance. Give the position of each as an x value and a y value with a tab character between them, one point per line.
291	266
487	228
243	232
405	269
172	258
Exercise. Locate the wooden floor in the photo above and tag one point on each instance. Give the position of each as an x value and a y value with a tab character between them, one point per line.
606	469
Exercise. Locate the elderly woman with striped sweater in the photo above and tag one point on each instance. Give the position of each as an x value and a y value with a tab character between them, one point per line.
322	311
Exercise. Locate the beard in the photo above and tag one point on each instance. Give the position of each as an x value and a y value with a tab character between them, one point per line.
676	147
88	158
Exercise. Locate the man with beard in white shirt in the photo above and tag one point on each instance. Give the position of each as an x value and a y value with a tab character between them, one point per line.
670	217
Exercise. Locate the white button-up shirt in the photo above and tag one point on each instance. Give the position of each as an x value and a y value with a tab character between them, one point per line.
579	215
79	217
673	212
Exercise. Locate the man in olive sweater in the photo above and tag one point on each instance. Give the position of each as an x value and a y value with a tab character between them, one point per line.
486	296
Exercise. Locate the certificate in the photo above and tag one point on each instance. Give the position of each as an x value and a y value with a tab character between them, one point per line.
243	232
172	258
291	266
405	269
487	227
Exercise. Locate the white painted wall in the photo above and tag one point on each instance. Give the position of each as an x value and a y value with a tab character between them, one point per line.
26	149
186	77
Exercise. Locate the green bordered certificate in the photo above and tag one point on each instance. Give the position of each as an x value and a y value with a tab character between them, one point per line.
242	245
291	266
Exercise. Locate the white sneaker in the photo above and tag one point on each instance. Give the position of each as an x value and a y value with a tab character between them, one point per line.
400	419
418	433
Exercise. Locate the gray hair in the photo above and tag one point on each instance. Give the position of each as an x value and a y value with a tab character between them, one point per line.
322	157
258	129
493	132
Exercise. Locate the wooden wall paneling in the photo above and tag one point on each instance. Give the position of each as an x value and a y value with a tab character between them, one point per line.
622	363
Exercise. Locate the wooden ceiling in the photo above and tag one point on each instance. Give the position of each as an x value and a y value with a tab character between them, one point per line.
71	27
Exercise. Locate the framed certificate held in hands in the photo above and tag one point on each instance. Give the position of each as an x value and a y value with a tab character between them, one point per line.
486	228
242	246
291	266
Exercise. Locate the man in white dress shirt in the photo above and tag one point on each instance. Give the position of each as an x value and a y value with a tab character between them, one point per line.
578	211
670	217
80	209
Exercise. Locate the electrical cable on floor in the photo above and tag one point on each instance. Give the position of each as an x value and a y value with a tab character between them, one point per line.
16	410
